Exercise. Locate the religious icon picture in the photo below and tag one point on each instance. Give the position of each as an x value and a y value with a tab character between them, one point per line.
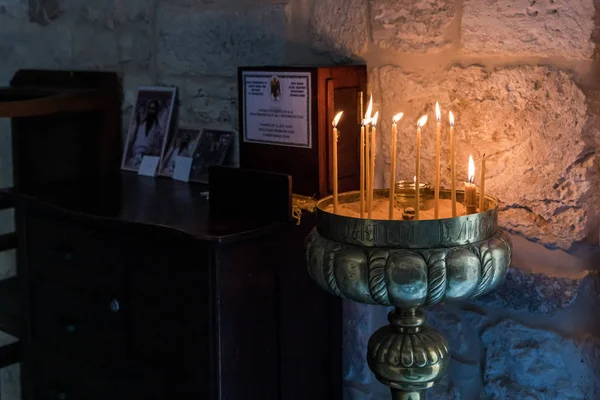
150	124
181	144
275	89
212	149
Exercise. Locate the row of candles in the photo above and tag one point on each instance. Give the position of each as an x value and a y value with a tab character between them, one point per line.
368	134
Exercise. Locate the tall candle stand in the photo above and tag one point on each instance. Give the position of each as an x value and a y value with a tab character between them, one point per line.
408	264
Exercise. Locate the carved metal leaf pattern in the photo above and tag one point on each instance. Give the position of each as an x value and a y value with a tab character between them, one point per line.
421	349
333	248
377	283
436	276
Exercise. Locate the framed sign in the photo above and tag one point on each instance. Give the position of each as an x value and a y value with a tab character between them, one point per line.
285	116
277	108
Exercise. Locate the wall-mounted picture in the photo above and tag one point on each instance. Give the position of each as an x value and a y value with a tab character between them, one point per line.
182	144
150	125
212	149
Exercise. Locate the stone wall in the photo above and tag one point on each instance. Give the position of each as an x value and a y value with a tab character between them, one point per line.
521	76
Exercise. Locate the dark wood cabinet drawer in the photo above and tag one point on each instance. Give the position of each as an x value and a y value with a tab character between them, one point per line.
89	325
70	254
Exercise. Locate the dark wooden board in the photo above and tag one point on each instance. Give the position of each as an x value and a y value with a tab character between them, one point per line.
240	193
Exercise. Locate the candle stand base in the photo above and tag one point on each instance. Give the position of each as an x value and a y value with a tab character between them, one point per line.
409	265
408	356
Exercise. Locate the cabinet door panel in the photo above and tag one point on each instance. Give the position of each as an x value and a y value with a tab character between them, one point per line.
169	320
85	324
66	253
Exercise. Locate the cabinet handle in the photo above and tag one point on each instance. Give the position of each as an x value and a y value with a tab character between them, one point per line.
115	306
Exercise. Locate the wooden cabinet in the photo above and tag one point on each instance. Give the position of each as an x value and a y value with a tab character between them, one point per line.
124	306
130	290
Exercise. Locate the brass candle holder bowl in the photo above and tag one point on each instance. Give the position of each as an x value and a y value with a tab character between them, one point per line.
409	265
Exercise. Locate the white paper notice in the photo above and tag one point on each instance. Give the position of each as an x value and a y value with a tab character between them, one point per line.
277	108
183	166
149	165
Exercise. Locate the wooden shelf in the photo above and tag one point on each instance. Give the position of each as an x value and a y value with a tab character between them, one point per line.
32	102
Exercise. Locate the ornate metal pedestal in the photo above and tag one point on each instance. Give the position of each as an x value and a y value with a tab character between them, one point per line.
408	265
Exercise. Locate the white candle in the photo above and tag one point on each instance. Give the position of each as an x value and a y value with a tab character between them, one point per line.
335	122
422	121
373	151
471	190
395	120
436	205
482	186
362	169
452	165
366	151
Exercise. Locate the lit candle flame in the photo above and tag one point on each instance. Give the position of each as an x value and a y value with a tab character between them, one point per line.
366	122
337	119
415	180
374	119
369	110
438	114
422	121
397	117
471	169
451	117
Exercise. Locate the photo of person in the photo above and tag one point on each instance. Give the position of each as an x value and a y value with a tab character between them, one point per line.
149	125
275	89
182	144
212	149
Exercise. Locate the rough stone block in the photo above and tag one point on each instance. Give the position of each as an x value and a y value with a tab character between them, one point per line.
135	44
32	46
210	101
528	363
529	121
103	52
215	42
412	26
534	293
529	27
339	28
10	382
13	9
131	82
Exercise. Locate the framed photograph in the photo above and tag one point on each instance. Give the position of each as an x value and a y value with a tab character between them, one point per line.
277	107
212	149
181	144
149	126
